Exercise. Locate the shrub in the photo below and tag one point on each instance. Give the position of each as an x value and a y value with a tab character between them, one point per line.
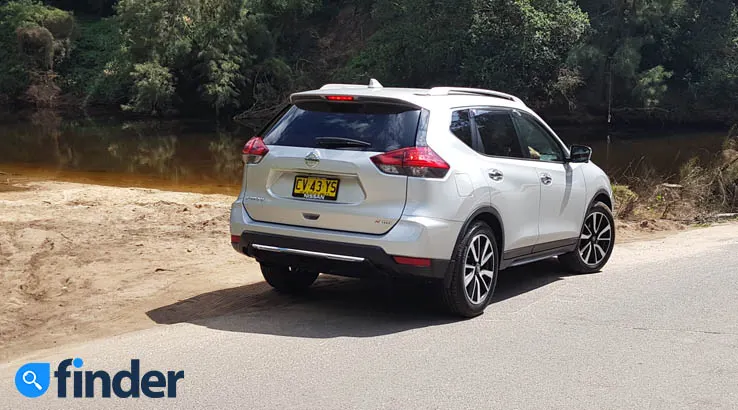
37	46
33	38
153	89
96	71
625	201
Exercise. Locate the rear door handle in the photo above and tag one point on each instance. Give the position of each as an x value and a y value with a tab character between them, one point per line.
495	175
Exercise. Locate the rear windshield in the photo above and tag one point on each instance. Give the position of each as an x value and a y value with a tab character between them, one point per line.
348	126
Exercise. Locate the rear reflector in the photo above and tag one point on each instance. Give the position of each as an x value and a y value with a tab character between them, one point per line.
339	97
420	162
419	262
254	151
235	238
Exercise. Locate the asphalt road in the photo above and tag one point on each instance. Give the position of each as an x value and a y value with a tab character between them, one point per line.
658	328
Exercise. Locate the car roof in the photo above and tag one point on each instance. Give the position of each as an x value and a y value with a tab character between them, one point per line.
429	98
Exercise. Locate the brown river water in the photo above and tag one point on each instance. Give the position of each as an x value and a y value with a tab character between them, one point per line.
196	156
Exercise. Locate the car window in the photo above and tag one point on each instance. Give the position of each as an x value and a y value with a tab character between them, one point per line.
538	143
461	127
375	126
497	133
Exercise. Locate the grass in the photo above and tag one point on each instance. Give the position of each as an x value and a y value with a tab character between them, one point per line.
700	190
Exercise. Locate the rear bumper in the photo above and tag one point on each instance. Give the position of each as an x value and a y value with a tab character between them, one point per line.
349	254
331	257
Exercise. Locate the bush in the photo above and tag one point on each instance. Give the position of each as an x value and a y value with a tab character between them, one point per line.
726	180
95	70
33	38
36	44
625	201
153	89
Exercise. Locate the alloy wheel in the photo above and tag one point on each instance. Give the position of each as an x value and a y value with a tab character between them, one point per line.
479	269
596	239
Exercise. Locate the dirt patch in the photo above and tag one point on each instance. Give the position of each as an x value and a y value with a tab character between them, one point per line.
84	261
631	231
10	183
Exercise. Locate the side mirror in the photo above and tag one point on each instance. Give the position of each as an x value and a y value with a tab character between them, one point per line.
580	153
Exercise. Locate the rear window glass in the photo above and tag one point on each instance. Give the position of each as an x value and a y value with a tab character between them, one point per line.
461	126
353	126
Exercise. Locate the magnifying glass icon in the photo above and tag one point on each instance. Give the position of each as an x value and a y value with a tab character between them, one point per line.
31	380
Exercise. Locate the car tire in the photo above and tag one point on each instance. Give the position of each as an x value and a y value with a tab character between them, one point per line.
595	244
472	279
287	279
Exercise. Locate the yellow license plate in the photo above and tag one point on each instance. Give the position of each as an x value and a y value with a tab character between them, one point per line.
315	188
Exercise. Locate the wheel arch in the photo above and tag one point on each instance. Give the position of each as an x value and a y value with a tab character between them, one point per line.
491	217
602	196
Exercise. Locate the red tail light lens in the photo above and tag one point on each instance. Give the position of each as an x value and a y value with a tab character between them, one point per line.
420	162
254	151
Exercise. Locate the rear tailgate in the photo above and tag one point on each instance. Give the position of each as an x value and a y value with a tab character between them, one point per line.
318	172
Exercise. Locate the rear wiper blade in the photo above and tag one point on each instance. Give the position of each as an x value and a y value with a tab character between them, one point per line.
340	142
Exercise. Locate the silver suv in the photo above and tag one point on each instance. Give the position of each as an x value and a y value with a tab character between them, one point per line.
449	184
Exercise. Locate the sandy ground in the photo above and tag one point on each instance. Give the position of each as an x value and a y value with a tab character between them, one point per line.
80	261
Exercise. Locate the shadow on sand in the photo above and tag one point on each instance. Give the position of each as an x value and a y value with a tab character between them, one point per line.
336	307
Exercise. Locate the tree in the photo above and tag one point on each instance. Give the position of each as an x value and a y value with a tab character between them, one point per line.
419	43
675	59
518	46
211	49
708	58
35	38
522	45
101	8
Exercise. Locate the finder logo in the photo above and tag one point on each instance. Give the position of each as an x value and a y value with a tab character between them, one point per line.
33	380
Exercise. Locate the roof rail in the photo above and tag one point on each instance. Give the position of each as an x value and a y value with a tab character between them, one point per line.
373	83
437	91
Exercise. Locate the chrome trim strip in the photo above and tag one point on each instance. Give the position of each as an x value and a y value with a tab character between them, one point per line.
342	258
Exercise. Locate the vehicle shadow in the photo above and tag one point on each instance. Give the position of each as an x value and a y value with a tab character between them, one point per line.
336	307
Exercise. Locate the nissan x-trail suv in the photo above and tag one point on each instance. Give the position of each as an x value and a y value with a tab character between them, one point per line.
446	184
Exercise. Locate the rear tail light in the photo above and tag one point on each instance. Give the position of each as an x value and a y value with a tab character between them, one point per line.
235	238
421	162
254	151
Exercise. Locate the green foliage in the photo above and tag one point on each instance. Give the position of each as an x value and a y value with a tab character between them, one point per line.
215	51
36	44
713	75
153	89
96	71
675	55
33	37
100	8
651	86
518	46
420	43
286	9
677	59
625	200
522	45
